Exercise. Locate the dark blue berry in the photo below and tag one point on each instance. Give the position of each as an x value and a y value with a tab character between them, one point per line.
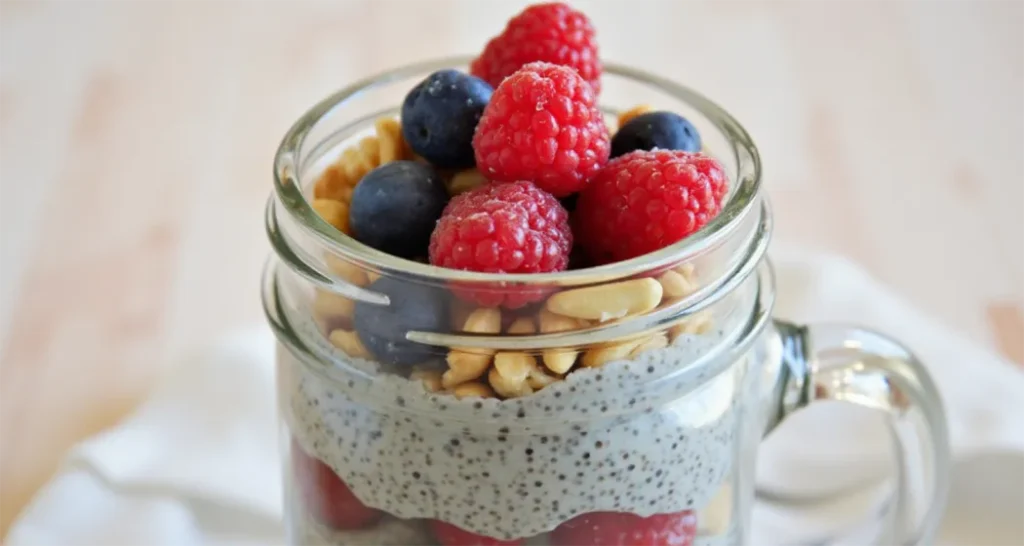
412	307
440	114
664	130
395	207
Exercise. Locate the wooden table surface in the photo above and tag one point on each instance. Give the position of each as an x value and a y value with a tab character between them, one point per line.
137	139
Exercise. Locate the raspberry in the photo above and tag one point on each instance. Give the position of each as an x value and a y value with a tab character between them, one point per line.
622	529
502	228
646	200
325	496
542	125
553	33
450	535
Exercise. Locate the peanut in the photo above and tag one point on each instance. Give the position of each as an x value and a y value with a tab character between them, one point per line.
431	379
331	184
657	341
537	379
463	367
506	387
522	325
675	285
328	305
695	325
464	181
468	364
633	112
467	390
348	341
514	366
347	270
607	301
485	320
389	135
459	311
333	212
558	360
598	356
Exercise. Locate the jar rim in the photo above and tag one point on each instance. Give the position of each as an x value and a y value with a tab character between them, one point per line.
288	188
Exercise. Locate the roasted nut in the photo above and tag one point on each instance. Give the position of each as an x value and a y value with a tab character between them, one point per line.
514	366
348	341
347	270
633	112
431	379
717	514
389	136
688	271
537	379
333	212
508	388
657	341
607	301
360	159
328	305
464	181
522	325
467	390
598	356
551	322
695	325
459	311
558	360
675	284
484	320
331	184
464	366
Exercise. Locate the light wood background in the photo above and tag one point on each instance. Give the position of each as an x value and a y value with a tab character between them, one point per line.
137	138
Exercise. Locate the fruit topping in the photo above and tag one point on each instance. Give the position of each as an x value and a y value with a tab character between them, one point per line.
503	228
623	529
646	200
542	125
412	307
395	206
662	130
339	179
552	32
450	535
325	496
440	114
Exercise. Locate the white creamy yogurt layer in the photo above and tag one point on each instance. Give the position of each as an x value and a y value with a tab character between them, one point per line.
517	468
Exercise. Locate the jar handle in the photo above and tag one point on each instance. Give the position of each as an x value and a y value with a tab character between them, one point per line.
854	365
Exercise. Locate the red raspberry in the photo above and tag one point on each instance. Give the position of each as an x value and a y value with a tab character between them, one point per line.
542	125
450	535
646	200
325	496
553	33
621	529
502	228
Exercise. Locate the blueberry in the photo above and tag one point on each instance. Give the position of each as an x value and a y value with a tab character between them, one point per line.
664	130
382	328
395	207
440	114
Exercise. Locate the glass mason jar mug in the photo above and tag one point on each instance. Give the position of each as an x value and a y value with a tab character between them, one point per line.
629	397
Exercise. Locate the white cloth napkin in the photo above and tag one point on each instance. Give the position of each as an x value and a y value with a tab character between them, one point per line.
198	463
